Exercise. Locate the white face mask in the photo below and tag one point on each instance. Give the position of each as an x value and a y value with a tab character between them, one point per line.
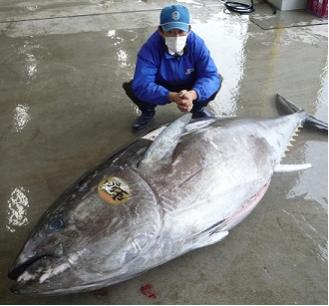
176	44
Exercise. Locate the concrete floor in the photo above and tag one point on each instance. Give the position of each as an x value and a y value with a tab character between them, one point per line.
62	110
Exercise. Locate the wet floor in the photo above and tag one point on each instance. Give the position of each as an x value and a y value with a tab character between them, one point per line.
62	111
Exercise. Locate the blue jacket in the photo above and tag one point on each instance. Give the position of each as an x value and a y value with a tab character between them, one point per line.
157	72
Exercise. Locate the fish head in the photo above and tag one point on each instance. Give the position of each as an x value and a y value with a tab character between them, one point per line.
51	240
90	236
45	240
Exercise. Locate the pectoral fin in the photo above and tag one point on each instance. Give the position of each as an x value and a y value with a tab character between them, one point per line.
160	151
291	168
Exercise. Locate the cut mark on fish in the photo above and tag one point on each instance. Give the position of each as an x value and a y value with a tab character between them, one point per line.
114	190
51	272
147	290
26	276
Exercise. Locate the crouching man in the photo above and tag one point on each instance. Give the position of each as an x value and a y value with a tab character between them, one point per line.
173	66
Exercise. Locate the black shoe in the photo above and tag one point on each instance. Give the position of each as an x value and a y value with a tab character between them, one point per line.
142	121
201	113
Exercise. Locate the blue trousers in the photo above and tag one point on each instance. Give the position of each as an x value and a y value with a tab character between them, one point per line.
147	108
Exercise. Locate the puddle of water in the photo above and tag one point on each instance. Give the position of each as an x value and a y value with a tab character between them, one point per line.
318	242
308	35
32	7
21	117
321	103
227	48
28	52
122	55
18	204
306	185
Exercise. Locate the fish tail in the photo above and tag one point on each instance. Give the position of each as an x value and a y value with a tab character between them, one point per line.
311	121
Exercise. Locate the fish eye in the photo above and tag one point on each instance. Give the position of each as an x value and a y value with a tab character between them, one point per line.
55	225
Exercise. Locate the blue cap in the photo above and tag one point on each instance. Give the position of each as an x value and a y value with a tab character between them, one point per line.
175	17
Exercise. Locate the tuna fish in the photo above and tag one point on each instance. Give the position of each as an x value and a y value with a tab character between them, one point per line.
181	187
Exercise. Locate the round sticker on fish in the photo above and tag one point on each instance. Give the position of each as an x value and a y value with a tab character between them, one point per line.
114	190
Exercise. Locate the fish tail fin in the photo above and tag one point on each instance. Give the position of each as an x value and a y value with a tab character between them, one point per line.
310	120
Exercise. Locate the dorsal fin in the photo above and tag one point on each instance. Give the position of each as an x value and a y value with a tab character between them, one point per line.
160	151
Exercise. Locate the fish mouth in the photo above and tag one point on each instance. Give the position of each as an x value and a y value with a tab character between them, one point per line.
26	273
41	276
17	270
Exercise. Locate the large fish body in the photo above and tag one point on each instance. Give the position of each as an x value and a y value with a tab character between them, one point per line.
178	188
